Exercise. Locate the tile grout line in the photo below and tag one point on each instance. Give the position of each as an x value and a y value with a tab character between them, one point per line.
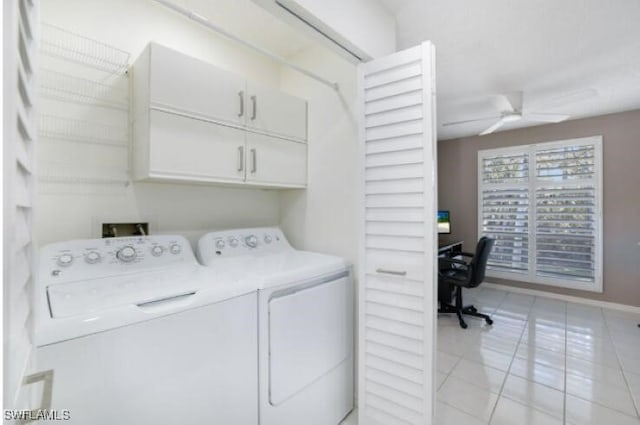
624	372
594	402
513	356
451	371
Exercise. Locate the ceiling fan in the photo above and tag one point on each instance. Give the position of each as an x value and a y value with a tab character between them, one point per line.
510	107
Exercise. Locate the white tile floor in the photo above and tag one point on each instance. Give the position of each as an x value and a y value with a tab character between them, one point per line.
542	362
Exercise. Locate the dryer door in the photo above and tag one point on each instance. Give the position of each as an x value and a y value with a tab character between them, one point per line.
310	333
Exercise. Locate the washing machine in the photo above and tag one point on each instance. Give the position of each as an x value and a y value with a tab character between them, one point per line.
305	322
137	332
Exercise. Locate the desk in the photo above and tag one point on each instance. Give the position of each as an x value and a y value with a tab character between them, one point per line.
447	250
450	249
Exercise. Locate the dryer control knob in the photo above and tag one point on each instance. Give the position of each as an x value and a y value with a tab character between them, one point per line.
157	251
267	239
126	254
220	243
175	249
92	257
251	241
65	260
234	243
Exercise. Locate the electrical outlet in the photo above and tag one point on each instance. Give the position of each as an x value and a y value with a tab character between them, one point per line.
112	230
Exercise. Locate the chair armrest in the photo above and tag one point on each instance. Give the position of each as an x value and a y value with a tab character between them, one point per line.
451	261
465	254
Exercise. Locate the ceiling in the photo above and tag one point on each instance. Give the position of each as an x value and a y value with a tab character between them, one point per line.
576	57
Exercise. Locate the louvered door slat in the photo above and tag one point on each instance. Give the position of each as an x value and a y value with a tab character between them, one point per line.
412	141
398	279
18	155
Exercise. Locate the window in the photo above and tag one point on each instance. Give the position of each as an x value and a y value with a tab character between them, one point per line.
542	204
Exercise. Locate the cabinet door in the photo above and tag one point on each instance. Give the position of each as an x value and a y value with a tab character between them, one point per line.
277	113
182	83
274	161
189	149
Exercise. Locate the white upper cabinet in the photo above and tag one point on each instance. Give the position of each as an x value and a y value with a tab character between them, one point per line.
272	161
276	113
185	84
193	122
188	149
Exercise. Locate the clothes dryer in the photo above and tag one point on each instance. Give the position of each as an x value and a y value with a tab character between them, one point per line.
305	322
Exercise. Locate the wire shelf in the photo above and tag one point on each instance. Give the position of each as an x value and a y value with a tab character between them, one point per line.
59	128
58	86
86	51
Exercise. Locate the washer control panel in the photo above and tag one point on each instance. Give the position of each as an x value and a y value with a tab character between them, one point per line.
95	258
232	243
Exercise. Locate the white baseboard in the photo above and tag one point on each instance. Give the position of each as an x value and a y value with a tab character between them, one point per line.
569	298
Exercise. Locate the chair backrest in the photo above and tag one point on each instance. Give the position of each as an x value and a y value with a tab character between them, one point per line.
479	261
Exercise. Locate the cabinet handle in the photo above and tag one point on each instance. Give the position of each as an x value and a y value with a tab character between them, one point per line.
241	96
240	158
393	272
254	106
254	161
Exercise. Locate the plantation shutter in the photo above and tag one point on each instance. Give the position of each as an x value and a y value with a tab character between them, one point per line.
398	245
505	210
543	205
567	212
20	48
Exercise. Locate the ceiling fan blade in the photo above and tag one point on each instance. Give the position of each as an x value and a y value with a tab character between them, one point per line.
493	128
506	103
501	103
543	117
467	121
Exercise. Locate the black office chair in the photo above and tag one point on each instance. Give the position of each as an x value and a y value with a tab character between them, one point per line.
458	274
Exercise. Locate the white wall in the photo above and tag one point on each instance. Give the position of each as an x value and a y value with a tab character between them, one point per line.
323	217
68	211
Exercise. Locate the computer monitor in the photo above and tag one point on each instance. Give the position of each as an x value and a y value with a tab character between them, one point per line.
444	222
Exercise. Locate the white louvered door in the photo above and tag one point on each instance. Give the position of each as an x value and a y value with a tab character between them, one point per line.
398	279
19	47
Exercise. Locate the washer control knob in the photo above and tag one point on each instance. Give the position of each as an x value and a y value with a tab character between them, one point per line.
220	243
65	260
157	250
267	239
126	254
251	241
175	249
234	243
92	257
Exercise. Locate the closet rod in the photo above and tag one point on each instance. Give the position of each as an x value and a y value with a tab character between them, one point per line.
203	21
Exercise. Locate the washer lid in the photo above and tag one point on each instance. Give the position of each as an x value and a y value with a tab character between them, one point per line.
91	296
